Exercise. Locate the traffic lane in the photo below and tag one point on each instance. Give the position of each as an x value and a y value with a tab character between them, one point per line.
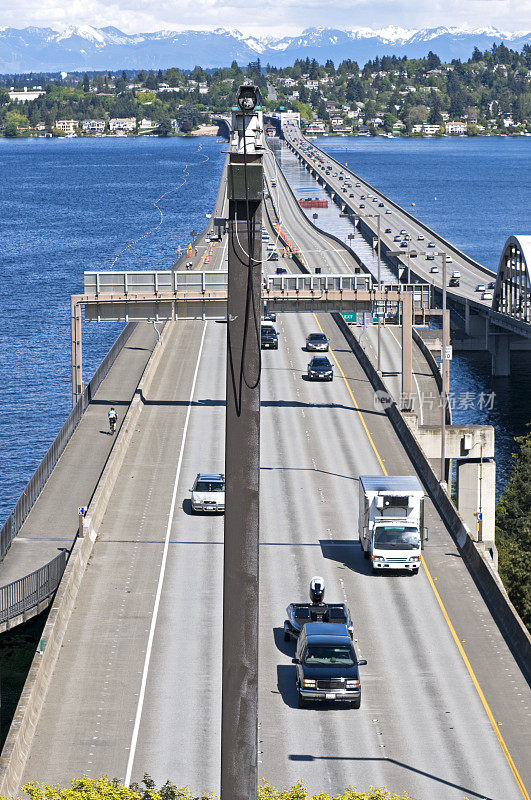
301	484
183	695
420	760
100	662
305	504
475	628
318	249
401	220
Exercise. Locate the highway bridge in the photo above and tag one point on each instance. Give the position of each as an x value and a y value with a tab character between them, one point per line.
489	320
129	678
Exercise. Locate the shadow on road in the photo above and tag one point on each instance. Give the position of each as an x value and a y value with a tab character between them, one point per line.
287	648
347	552
286	675
468	792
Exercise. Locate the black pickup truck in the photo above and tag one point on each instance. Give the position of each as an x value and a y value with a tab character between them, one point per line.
327	665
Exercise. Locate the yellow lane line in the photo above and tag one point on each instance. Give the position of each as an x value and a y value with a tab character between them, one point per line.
356	406
455	637
478	688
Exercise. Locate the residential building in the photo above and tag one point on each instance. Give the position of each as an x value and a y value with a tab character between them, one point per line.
93	125
312	84
146	125
455	127
26	94
123	124
68	126
430	130
203	88
316	127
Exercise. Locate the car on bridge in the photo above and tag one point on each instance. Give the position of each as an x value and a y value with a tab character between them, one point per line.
327	665
208	493
434	269
317	341
320	369
481	287
397	238
387	230
362	205
380	205
454	282
268	337
487	295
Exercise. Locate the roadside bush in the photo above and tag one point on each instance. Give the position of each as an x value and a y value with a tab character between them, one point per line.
106	789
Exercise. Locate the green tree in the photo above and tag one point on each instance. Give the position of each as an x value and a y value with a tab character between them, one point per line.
164	128
151	81
86	83
513	531
11	129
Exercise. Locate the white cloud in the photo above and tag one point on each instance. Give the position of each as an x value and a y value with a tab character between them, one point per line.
279	17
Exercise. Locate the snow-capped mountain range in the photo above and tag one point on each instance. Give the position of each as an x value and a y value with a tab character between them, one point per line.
87	48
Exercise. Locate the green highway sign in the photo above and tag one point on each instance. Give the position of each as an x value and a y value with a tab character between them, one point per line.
350	316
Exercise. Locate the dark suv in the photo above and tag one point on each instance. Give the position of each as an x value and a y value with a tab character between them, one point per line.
327	665
268	338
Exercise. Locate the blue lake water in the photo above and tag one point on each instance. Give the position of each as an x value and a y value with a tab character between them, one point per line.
69	205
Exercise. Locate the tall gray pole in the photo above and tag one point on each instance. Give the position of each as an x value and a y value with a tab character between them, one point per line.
379	366
239	713
444	370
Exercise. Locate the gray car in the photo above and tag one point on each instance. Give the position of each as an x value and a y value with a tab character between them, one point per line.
208	493
317	341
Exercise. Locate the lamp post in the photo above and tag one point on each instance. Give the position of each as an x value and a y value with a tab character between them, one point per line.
445	368
379	256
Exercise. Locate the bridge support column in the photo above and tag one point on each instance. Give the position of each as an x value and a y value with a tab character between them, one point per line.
467	317
239	706
500	351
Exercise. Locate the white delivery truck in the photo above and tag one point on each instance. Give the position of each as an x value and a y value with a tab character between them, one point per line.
391	521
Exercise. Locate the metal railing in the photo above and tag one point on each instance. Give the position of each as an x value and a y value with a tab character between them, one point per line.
37	481
32	589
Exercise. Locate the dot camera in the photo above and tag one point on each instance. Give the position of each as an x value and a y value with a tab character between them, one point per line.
248	97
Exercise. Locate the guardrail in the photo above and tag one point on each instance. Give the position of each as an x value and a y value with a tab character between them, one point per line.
27	592
37	481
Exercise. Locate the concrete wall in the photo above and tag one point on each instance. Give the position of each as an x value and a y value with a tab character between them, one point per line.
20	736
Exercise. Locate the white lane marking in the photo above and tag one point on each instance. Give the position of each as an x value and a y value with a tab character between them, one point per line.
134	738
225	248
414	378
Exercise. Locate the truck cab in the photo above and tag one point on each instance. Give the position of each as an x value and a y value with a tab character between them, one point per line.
391	521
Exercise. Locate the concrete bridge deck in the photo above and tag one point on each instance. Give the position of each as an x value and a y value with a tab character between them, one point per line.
53	521
136	687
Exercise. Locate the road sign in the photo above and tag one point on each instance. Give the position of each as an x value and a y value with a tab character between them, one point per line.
448	352
479	516
81	511
350	317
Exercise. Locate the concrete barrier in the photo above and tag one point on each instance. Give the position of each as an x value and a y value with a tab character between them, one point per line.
476	559
20	735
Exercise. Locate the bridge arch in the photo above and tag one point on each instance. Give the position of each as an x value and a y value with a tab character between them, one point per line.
512	294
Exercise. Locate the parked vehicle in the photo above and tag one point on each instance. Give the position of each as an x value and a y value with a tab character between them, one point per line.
391	521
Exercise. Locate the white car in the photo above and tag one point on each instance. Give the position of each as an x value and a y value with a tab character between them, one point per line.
481	287
420	237
434	269
487	295
208	493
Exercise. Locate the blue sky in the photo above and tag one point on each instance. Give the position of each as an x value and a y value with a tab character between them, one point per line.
282	17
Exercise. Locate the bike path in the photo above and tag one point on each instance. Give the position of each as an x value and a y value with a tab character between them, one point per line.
52	523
